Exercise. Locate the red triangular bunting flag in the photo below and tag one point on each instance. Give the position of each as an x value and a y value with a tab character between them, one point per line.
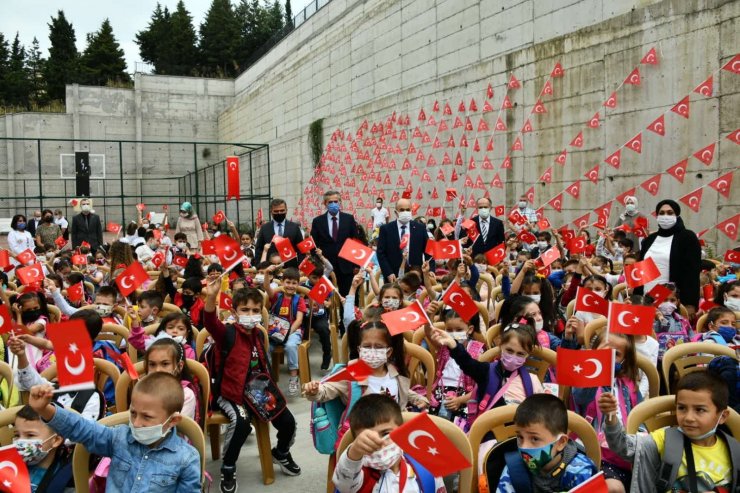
693	199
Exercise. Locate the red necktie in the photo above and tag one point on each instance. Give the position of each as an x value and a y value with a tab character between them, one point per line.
334	228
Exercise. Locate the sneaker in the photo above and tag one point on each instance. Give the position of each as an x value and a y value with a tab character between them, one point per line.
294	386
286	463
228	482
326	363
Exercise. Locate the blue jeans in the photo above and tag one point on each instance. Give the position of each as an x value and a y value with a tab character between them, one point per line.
291	348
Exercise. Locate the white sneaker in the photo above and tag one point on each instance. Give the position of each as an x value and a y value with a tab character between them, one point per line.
294	386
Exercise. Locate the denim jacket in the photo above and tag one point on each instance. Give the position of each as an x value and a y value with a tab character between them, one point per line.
173	466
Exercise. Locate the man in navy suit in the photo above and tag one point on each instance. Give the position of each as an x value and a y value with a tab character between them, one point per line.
329	232
491	229
390	255
281	227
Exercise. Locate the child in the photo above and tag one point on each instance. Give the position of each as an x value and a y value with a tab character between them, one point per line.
720	324
319	318
390	298
701	406
646	346
551	460
43	451
243	386
175	325
287	310
167	356
670	327
144	452
189	300
373	463
150	304
105	301
32	312
616	471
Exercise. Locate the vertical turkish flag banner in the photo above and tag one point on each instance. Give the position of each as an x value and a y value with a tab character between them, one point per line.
495	255
14	475
594	484
31	274
641	273
74	353
130	279
588	301
585	367
355	252
410	318
459	300
321	290
631	319
285	249
76	292
232	175
422	440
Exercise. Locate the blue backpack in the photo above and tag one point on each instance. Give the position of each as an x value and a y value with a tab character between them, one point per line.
330	419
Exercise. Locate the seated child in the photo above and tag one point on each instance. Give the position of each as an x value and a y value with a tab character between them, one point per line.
720	326
168	356
48	460
150	304
105	303
318	320
548	458
373	463
175	325
701	406
143	452
670	326
189	300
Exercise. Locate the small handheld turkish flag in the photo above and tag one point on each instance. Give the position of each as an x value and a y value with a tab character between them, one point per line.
357	371
321	290
459	300
228	250
74	353
425	442
446	249
594	484
732	256
495	255
641	273
208	247
180	261
76	292
306	245
588	301
113	227
577	244
219	217
660	293
285	249
31	274
526	237
447	229
79	259
307	266
549	256
60	242
130	279
14	475
224	302
355	252
585	367
140	207
4	259
631	319
158	259
26	257
6	320
410	318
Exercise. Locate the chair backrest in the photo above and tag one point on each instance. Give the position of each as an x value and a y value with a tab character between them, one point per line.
168	308
659	412
651	373
570	309
591	329
81	457
104	370
451	431
6	375
344	350
113	332
540	360
497	310
492	333
701	323
55	314
500	421
691	356
7	418
420	365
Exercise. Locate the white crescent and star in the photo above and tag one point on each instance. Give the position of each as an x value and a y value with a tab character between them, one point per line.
74	370
452	299
585	298
362	254
414	435
707	158
694	202
9	465
598	368
231	255
620	319
682	109
632	275
452	249
414	317
722	185
126	285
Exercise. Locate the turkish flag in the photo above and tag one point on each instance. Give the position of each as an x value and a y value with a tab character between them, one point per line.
357	371
14	475
76	292
219	217
307	266
641	273
499	210
517	218
495	255
124	361
285	249
473	233
60	242
158	259
232	174
594	484
631	319
526	237
208	247
693	199
723	184
588	301
321	290
355	252
224	302
6	320
660	293
585	367
549	256
130	279
450	194
732	256
459	300
140	207
447	229
74	354
26	257
113	227
577	244
544	224
180	261
444	249
31	274
306	245
729	227
422	440
79	259
5	259
405	319
229	251
652	184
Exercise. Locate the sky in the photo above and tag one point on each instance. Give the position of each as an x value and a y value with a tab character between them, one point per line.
31	18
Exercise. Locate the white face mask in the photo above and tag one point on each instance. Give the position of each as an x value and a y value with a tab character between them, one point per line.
384	458
484	212
179	339
600	293
667	308
404	217
104	310
181	245
148	319
667	222
522	204
535	297
249	321
538	325
459	335
430	227
378	204
147	435
259	278
85	207
542	245
375	358
733	304
391	303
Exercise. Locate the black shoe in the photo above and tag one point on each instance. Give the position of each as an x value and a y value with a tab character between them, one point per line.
326	362
287	465
228	482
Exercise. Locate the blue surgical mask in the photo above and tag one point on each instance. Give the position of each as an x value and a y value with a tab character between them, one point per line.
705	435
617	367
727	332
333	208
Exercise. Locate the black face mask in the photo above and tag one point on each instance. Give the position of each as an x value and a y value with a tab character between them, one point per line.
279	217
49	219
188	300
30	316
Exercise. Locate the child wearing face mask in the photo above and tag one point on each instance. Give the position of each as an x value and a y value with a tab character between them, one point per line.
390	298
49	462
599	285
616	470
166	355
721	327
670	326
146	450
373	463
150	304
175	326
551	461
189	301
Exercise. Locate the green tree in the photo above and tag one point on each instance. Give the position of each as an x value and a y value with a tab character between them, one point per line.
103	60
275	18
4	61
184	53
16	84
62	67
150	40
219	40
36	80
288	14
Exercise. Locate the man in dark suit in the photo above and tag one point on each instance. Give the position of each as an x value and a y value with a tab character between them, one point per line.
390	256
281	227
491	229
86	226
329	232
34	222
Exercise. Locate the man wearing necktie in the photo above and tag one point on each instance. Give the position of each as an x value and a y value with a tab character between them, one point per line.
491	229
279	226
392	244
329	231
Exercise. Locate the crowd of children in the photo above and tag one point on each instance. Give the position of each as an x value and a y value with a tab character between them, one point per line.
258	311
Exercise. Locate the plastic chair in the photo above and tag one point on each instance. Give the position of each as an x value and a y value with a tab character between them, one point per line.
10	394
451	431
540	360
114	333
591	329
492	333
168	308
7	418
701	323
497	310
570	309
659	412
420	375
500	421
104	370
486	279
81	457
691	356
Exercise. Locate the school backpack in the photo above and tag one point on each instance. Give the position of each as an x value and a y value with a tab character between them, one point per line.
330	419
277	329
424	478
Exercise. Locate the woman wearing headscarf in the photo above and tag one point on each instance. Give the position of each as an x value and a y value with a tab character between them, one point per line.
676	252
628	217
189	224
